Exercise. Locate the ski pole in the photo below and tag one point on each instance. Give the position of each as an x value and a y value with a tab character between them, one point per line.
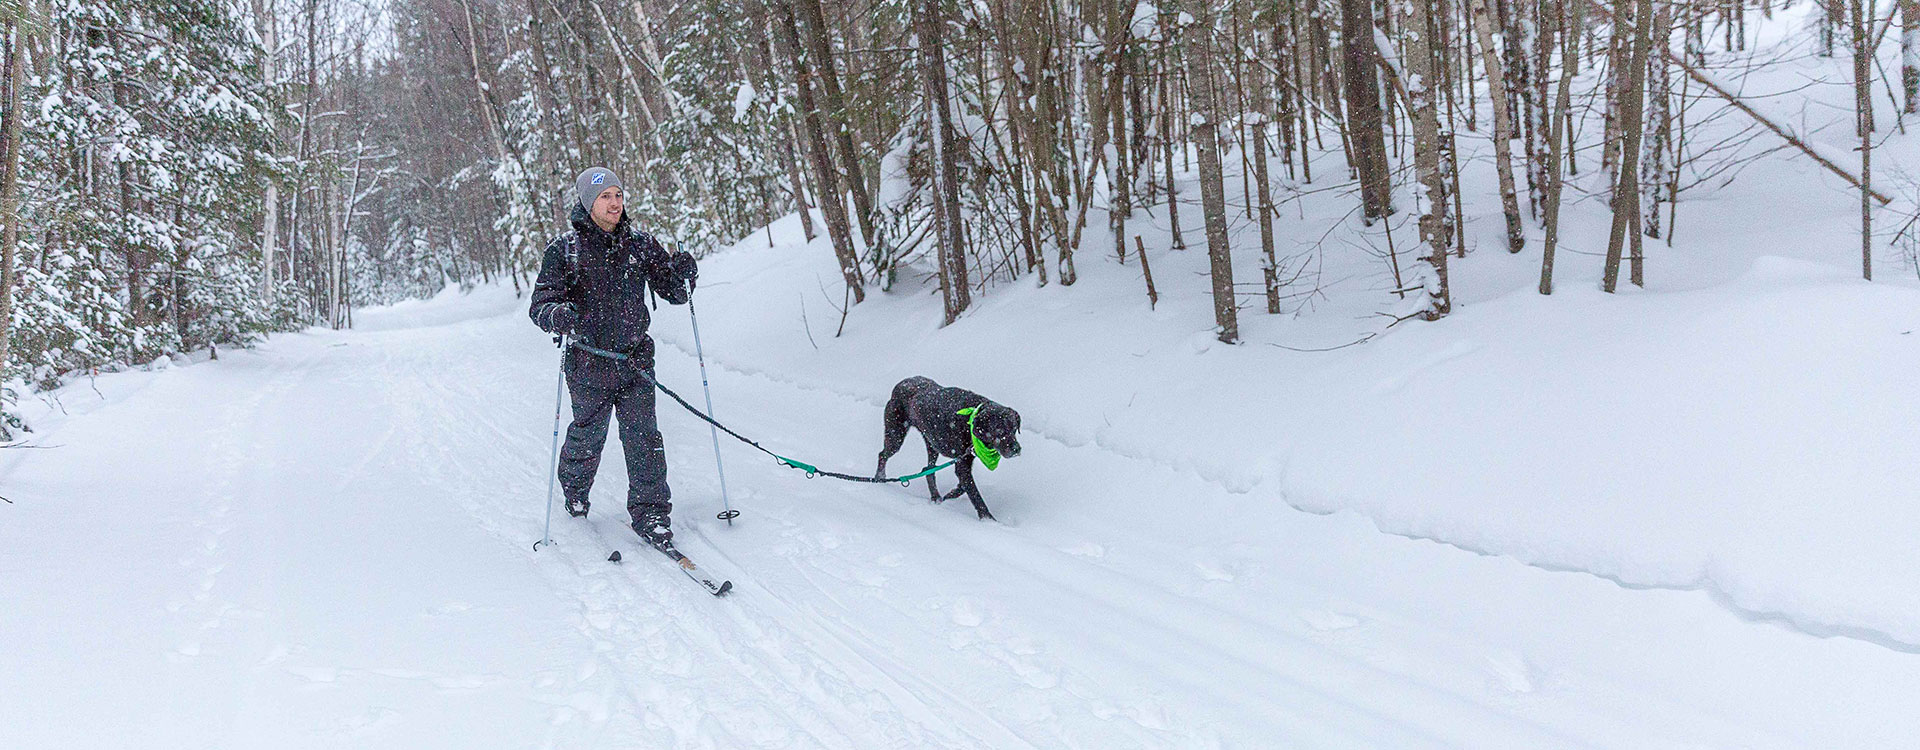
699	353
553	464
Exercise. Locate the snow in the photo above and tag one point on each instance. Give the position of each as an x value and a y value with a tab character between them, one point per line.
743	100
1146	21
332	547
1671	517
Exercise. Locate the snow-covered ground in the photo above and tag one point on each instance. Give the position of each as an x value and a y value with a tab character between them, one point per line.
1673	517
325	542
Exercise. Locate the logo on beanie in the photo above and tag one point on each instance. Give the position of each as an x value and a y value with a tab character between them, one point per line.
599	179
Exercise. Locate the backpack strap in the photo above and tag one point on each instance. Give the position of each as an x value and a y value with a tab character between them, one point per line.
570	256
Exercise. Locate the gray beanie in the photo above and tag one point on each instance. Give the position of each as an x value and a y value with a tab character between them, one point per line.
590	183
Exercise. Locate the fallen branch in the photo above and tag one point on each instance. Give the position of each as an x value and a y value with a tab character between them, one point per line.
1777	129
1734	99
1153	297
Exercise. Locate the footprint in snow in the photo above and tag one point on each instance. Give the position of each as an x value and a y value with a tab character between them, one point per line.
1212	573
1328	621
373	720
966	614
321	675
451	608
464	683
277	655
1510	673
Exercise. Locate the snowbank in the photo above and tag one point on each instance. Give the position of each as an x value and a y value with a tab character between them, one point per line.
1754	438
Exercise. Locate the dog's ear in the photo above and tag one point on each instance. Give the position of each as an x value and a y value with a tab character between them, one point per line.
999	421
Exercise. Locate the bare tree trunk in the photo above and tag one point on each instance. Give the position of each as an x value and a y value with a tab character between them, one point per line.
1098	95
266	23
1015	100
1829	11
1626	192
792	159
137	260
1863	122
1263	112
952	250
781	121
1502	125
1426	152
1363	110
1910	53
490	112
649	123
1053	188
1455	229
1616	72
1563	101
1302	69
1547	17
1166	135
1212	181
1282	51
827	192
1119	176
1653	167
815	24
14	78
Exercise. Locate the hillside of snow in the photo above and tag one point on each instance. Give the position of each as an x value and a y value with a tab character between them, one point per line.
1678	516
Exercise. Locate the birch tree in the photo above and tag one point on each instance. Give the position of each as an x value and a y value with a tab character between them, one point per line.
1205	121
1502	125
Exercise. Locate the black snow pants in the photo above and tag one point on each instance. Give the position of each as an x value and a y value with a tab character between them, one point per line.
604	389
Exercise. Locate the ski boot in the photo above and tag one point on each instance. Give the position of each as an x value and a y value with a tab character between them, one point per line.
577	507
656	529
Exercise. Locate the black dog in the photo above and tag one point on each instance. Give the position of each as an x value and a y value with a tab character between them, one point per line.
935	411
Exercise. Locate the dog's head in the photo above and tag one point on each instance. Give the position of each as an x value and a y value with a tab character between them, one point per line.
998	427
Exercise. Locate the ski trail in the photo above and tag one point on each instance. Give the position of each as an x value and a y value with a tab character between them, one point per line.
1185	631
1226	481
822	647
835	680
341	555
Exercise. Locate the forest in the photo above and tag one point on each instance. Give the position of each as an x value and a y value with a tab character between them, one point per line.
182	175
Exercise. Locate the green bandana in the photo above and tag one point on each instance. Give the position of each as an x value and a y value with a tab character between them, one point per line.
988	456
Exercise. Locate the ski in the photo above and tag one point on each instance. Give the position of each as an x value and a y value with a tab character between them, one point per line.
694	572
685	564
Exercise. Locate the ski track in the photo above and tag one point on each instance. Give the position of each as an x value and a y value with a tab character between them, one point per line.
819	643
839	683
1186	637
857	619
1243	483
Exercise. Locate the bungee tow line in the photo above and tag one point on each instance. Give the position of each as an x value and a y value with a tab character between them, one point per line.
811	470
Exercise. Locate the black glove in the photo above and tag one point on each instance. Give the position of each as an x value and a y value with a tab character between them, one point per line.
565	318
684	268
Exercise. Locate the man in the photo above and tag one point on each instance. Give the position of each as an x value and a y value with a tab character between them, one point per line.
593	289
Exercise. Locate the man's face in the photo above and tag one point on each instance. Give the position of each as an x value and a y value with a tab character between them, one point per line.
607	207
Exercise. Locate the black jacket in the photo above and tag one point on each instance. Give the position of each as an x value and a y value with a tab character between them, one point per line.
606	280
